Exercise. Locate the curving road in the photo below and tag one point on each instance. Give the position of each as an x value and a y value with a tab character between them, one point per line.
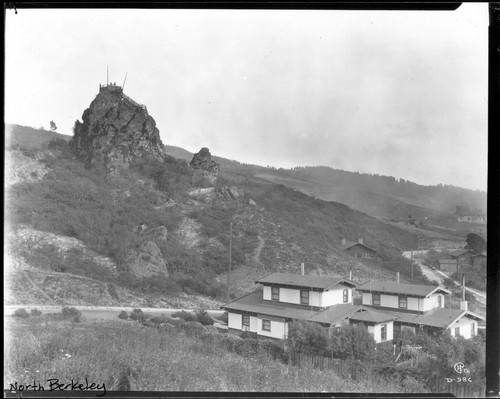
438	276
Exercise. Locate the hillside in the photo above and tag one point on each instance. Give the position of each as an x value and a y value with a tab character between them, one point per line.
120	217
29	138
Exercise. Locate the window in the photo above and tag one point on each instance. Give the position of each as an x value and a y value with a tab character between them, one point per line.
472	330
245	322
346	295
383	332
266	325
376	299
275	293
304	297
403	302
457	331
440	301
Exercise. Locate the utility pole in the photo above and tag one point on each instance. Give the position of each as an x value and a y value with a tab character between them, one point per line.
411	260
230	253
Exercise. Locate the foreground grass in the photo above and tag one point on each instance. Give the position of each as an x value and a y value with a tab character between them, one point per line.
154	359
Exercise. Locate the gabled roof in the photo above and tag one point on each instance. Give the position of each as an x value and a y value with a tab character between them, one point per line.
460	252
447	261
372	316
440	317
350	244
390	287
482	254
298	280
254	303
336	313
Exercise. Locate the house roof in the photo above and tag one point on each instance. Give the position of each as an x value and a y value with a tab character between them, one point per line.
441	317
482	254
335	313
372	316
460	252
298	280
390	287
350	244
447	261
253	303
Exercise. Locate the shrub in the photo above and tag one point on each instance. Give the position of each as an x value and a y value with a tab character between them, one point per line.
35	312
204	318
177	322
247	347
123	315
194	328
21	313
157	320
138	315
186	316
71	312
307	337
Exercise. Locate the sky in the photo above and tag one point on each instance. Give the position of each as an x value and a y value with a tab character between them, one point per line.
398	93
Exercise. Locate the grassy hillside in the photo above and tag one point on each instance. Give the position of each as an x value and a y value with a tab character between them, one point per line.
274	227
29	138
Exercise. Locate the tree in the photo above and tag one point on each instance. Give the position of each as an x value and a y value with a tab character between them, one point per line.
352	342
476	243
53	126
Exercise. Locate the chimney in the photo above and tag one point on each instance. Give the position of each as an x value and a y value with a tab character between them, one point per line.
397	277
463	287
302	271
350	274
463	302
343	241
360	240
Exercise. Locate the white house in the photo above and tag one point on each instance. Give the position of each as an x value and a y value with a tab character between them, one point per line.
288	297
419	307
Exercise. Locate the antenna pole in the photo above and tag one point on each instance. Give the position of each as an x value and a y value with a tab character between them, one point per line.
123	86
230	250
107	75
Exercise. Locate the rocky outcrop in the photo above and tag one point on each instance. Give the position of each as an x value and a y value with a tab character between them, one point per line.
146	261
231	192
115	130
205	170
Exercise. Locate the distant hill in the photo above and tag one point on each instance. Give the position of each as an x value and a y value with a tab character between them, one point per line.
379	196
30	138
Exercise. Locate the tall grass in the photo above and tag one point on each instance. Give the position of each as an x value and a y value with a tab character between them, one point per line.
166	359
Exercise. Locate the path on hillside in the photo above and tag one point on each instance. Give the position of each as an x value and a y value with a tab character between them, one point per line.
36	286
258	250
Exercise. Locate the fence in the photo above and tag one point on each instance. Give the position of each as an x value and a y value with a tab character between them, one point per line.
474	389
351	369
344	368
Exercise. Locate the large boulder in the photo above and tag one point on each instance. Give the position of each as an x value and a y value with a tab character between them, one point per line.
115	131
205	170
146	261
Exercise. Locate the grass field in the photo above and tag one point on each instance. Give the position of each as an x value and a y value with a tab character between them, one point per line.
128	355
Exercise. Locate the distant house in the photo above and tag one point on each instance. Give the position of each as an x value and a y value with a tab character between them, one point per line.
479	260
419	307
358	249
462	256
478	219
448	265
